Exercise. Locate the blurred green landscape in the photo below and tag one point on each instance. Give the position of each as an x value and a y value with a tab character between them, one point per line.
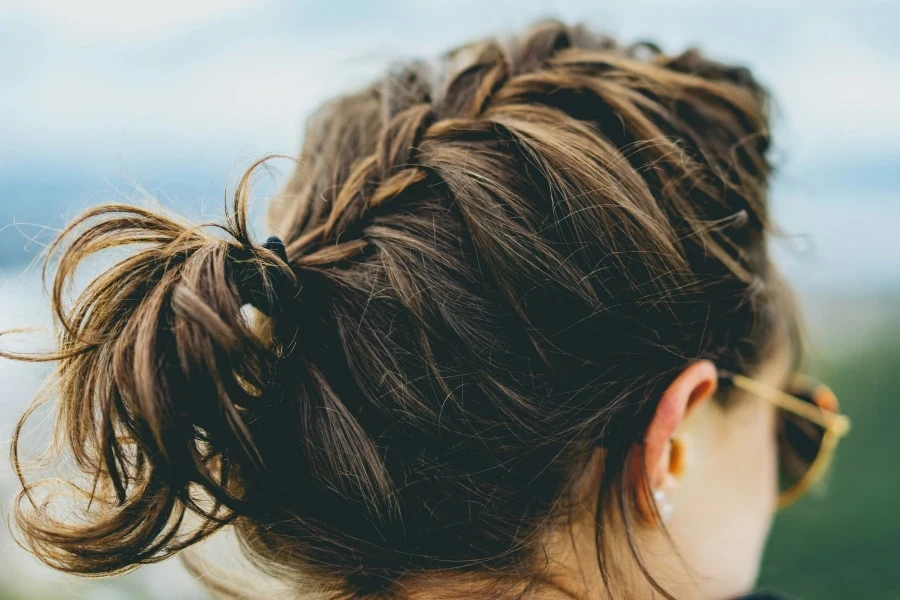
845	542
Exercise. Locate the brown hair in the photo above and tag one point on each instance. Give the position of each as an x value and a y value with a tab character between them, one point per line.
494	265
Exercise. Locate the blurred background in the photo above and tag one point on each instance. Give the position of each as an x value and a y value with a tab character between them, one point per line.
119	100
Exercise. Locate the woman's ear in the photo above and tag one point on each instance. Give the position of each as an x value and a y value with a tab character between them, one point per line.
661	455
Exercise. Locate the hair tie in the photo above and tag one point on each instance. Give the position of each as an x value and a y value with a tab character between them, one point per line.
274	244
263	292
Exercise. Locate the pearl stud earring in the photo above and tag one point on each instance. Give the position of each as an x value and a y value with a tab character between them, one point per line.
662	505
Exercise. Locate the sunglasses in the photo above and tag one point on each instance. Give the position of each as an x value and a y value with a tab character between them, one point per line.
810	425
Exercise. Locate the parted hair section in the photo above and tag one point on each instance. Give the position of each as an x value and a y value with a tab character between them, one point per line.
495	263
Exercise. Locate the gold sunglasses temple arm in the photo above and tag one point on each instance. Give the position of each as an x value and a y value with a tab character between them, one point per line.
835	422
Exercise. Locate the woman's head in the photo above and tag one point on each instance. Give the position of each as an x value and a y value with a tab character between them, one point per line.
511	278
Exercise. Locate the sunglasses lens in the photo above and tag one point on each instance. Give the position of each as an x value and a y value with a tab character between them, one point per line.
800	439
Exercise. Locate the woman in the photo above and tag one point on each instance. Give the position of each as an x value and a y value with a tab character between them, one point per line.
519	336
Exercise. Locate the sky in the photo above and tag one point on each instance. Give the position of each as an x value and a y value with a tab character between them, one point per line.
101	97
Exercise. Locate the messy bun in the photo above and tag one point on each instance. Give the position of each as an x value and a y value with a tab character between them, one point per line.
492	266
161	381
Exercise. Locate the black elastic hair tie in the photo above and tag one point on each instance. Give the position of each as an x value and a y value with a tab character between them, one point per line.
265	293
274	244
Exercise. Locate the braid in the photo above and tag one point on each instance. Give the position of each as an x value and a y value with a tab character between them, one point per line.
482	78
376	179
391	168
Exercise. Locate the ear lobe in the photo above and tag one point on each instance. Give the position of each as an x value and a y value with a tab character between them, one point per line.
661	456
